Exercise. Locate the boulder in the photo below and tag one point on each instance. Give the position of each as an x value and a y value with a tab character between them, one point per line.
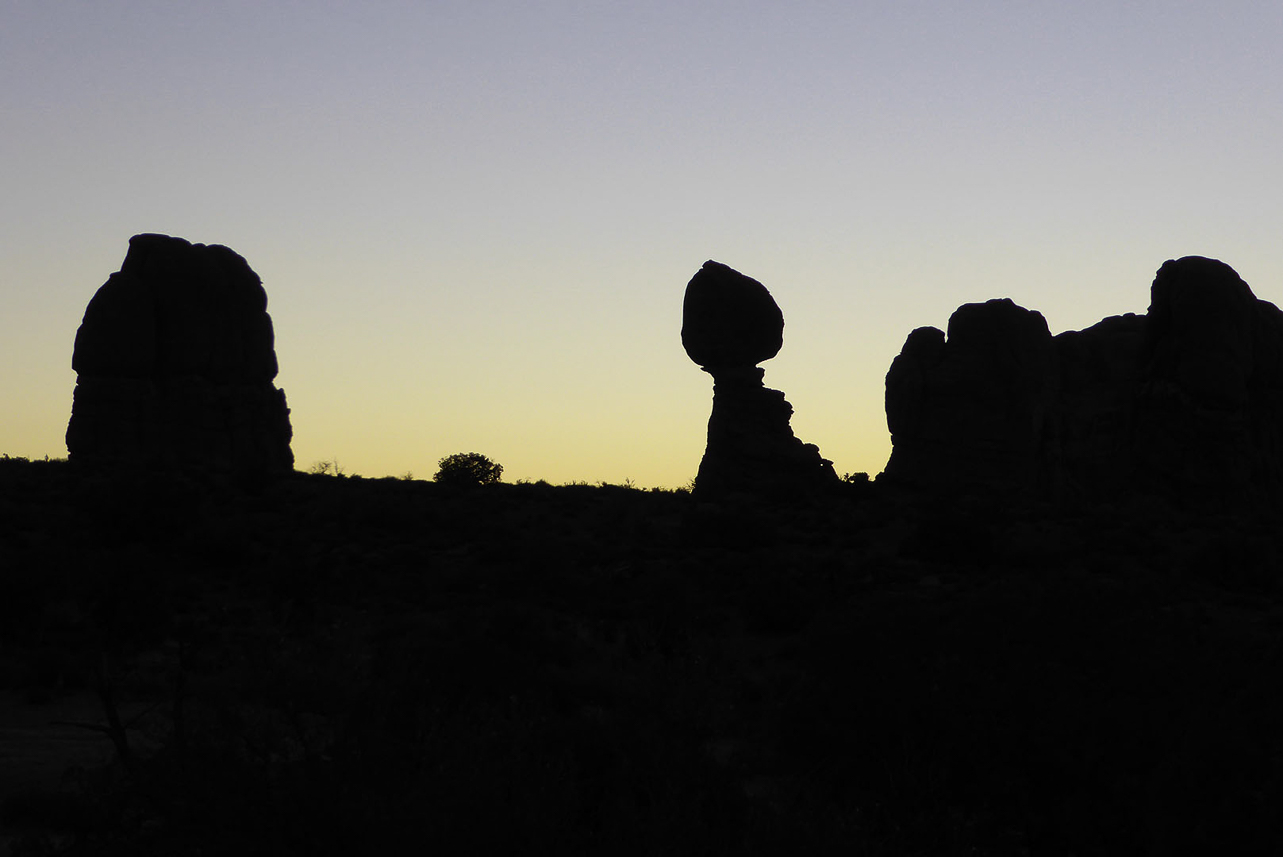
175	360
729	320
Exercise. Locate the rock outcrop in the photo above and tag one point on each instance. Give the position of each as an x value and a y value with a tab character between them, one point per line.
175	360
730	323
1184	402
973	405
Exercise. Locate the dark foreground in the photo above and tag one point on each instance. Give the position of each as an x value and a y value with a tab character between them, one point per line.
348	666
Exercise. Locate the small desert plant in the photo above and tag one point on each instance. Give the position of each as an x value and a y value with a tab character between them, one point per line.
330	467
467	468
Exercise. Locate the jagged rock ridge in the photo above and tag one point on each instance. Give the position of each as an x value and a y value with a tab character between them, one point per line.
1185	401
175	360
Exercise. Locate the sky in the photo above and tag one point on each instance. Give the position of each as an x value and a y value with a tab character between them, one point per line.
475	221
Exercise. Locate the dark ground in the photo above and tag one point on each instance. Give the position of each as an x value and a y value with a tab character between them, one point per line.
354	666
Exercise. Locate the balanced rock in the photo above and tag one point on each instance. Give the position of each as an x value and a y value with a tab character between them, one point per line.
730	323
1185	401
175	360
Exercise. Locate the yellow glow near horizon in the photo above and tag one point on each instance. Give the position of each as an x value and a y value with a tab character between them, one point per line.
475	225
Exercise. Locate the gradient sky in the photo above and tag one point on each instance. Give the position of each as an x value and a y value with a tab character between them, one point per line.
475	221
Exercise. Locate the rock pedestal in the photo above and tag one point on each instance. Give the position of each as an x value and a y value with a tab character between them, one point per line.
751	446
175	360
730	323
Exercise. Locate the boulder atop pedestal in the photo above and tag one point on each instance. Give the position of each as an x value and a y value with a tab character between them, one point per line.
729	320
175	360
730	323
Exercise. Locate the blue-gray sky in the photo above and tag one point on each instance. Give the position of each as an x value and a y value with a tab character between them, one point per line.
475	220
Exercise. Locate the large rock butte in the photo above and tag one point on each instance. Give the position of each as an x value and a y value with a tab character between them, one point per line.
1185	401
730	323
175	360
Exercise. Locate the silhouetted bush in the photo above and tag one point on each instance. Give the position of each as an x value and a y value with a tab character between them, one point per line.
467	468
327	467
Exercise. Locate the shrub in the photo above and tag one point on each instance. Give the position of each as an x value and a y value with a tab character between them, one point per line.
467	468
329	467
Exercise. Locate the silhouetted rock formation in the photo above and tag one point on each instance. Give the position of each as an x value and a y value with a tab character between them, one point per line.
175	359
1186	401
729	320
972	406
730	323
